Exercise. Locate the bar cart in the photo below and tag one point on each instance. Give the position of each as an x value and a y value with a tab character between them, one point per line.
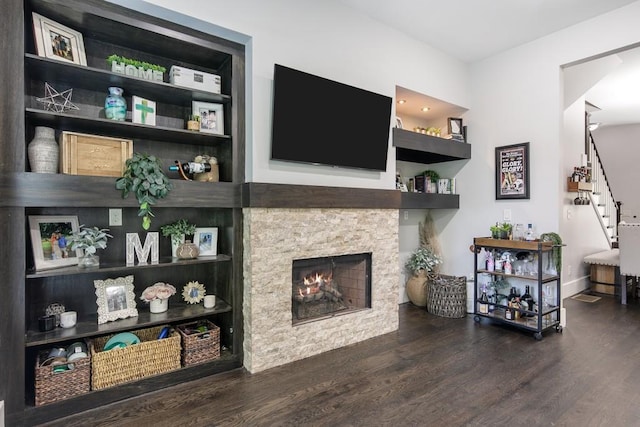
519	266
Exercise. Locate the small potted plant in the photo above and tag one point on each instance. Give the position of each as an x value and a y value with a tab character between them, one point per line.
501	231
177	231
157	295
144	176
89	240
421	262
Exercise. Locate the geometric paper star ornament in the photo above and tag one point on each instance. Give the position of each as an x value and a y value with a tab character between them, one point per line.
57	101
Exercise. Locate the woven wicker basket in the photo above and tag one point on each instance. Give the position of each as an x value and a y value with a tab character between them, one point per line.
199	347
447	296
120	365
53	386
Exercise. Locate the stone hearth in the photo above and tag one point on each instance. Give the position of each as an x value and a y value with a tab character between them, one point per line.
273	238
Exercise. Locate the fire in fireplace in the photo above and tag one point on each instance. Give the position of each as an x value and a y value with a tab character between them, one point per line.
327	286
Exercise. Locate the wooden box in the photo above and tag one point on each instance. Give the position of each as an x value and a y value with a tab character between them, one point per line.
604	278
84	154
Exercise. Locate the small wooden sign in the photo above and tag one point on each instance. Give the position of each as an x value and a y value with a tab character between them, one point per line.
84	154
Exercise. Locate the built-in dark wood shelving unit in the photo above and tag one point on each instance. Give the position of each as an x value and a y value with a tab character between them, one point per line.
426	149
108	28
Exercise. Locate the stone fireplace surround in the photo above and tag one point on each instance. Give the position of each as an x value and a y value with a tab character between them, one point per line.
275	236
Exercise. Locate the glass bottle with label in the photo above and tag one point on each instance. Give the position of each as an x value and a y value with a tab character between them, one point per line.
529	235
527	301
483	305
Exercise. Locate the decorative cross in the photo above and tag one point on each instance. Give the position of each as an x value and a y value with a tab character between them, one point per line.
52	99
144	108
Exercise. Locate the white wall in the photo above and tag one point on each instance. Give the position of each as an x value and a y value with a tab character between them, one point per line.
619	148
517	96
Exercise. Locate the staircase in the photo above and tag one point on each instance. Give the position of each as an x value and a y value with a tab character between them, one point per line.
602	200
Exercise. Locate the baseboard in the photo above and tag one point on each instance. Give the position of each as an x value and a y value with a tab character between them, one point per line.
575	286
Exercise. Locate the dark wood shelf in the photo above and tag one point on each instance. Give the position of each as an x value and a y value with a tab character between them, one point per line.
419	148
430	201
115	128
30	189
82	77
89	327
166	262
545	277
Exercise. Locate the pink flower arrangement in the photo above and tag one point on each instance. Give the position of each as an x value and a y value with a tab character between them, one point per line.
158	290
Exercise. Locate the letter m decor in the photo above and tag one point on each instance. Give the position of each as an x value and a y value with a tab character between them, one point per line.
135	248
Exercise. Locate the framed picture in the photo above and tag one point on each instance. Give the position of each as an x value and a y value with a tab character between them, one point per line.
55	41
207	240
512	171
454	126
49	236
211	116
115	298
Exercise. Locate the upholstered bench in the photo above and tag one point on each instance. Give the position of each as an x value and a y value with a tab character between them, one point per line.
605	270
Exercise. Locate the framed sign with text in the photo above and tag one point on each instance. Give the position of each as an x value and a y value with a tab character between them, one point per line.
512	171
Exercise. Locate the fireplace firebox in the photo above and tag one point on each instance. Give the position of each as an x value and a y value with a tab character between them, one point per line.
329	286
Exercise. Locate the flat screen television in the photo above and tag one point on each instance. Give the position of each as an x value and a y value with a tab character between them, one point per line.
320	121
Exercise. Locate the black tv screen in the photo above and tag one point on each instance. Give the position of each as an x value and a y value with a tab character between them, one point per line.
320	121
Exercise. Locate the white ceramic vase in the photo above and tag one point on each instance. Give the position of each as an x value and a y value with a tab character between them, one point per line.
43	151
158	305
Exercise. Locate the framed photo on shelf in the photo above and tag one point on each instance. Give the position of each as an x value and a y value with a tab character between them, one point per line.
116	299
512	171
211	116
49	236
55	41
454	126
207	240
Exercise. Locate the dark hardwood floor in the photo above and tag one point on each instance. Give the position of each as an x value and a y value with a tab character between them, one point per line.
432	372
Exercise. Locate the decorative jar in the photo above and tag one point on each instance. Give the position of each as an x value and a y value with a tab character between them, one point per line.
43	151
187	250
88	261
115	106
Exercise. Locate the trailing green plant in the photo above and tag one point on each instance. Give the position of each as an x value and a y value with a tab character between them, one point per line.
135	63
422	259
89	239
556	253
144	177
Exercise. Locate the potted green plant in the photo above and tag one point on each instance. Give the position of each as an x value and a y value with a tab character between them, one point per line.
89	240
144	176
177	231
421	262
501	231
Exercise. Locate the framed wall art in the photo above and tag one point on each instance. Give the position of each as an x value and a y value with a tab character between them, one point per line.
115	299
207	240
211	116
55	41
512	171
49	235
454	126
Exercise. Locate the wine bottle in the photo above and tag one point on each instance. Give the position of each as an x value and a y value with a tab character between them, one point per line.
191	167
483	305
527	299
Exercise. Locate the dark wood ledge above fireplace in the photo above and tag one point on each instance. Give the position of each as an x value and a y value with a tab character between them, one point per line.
262	195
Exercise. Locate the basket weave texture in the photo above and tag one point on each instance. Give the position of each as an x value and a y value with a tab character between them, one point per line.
202	346
149	357
51	387
447	296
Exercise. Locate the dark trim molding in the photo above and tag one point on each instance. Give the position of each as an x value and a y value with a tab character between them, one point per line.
260	195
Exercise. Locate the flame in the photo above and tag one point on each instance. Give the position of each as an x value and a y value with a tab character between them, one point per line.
313	283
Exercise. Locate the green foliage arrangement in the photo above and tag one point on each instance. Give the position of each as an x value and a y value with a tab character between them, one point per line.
557	248
422	259
178	228
501	229
89	239
432	175
144	177
135	63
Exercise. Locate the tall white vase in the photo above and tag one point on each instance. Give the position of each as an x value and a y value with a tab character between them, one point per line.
43	151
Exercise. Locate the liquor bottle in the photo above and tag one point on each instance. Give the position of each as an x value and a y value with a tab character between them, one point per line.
513	294
508	312
490	262
483	306
191	167
508	269
529	236
527	299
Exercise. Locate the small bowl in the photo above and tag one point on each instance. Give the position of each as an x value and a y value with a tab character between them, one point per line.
76	356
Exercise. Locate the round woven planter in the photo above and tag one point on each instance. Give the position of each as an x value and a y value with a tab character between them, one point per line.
416	287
